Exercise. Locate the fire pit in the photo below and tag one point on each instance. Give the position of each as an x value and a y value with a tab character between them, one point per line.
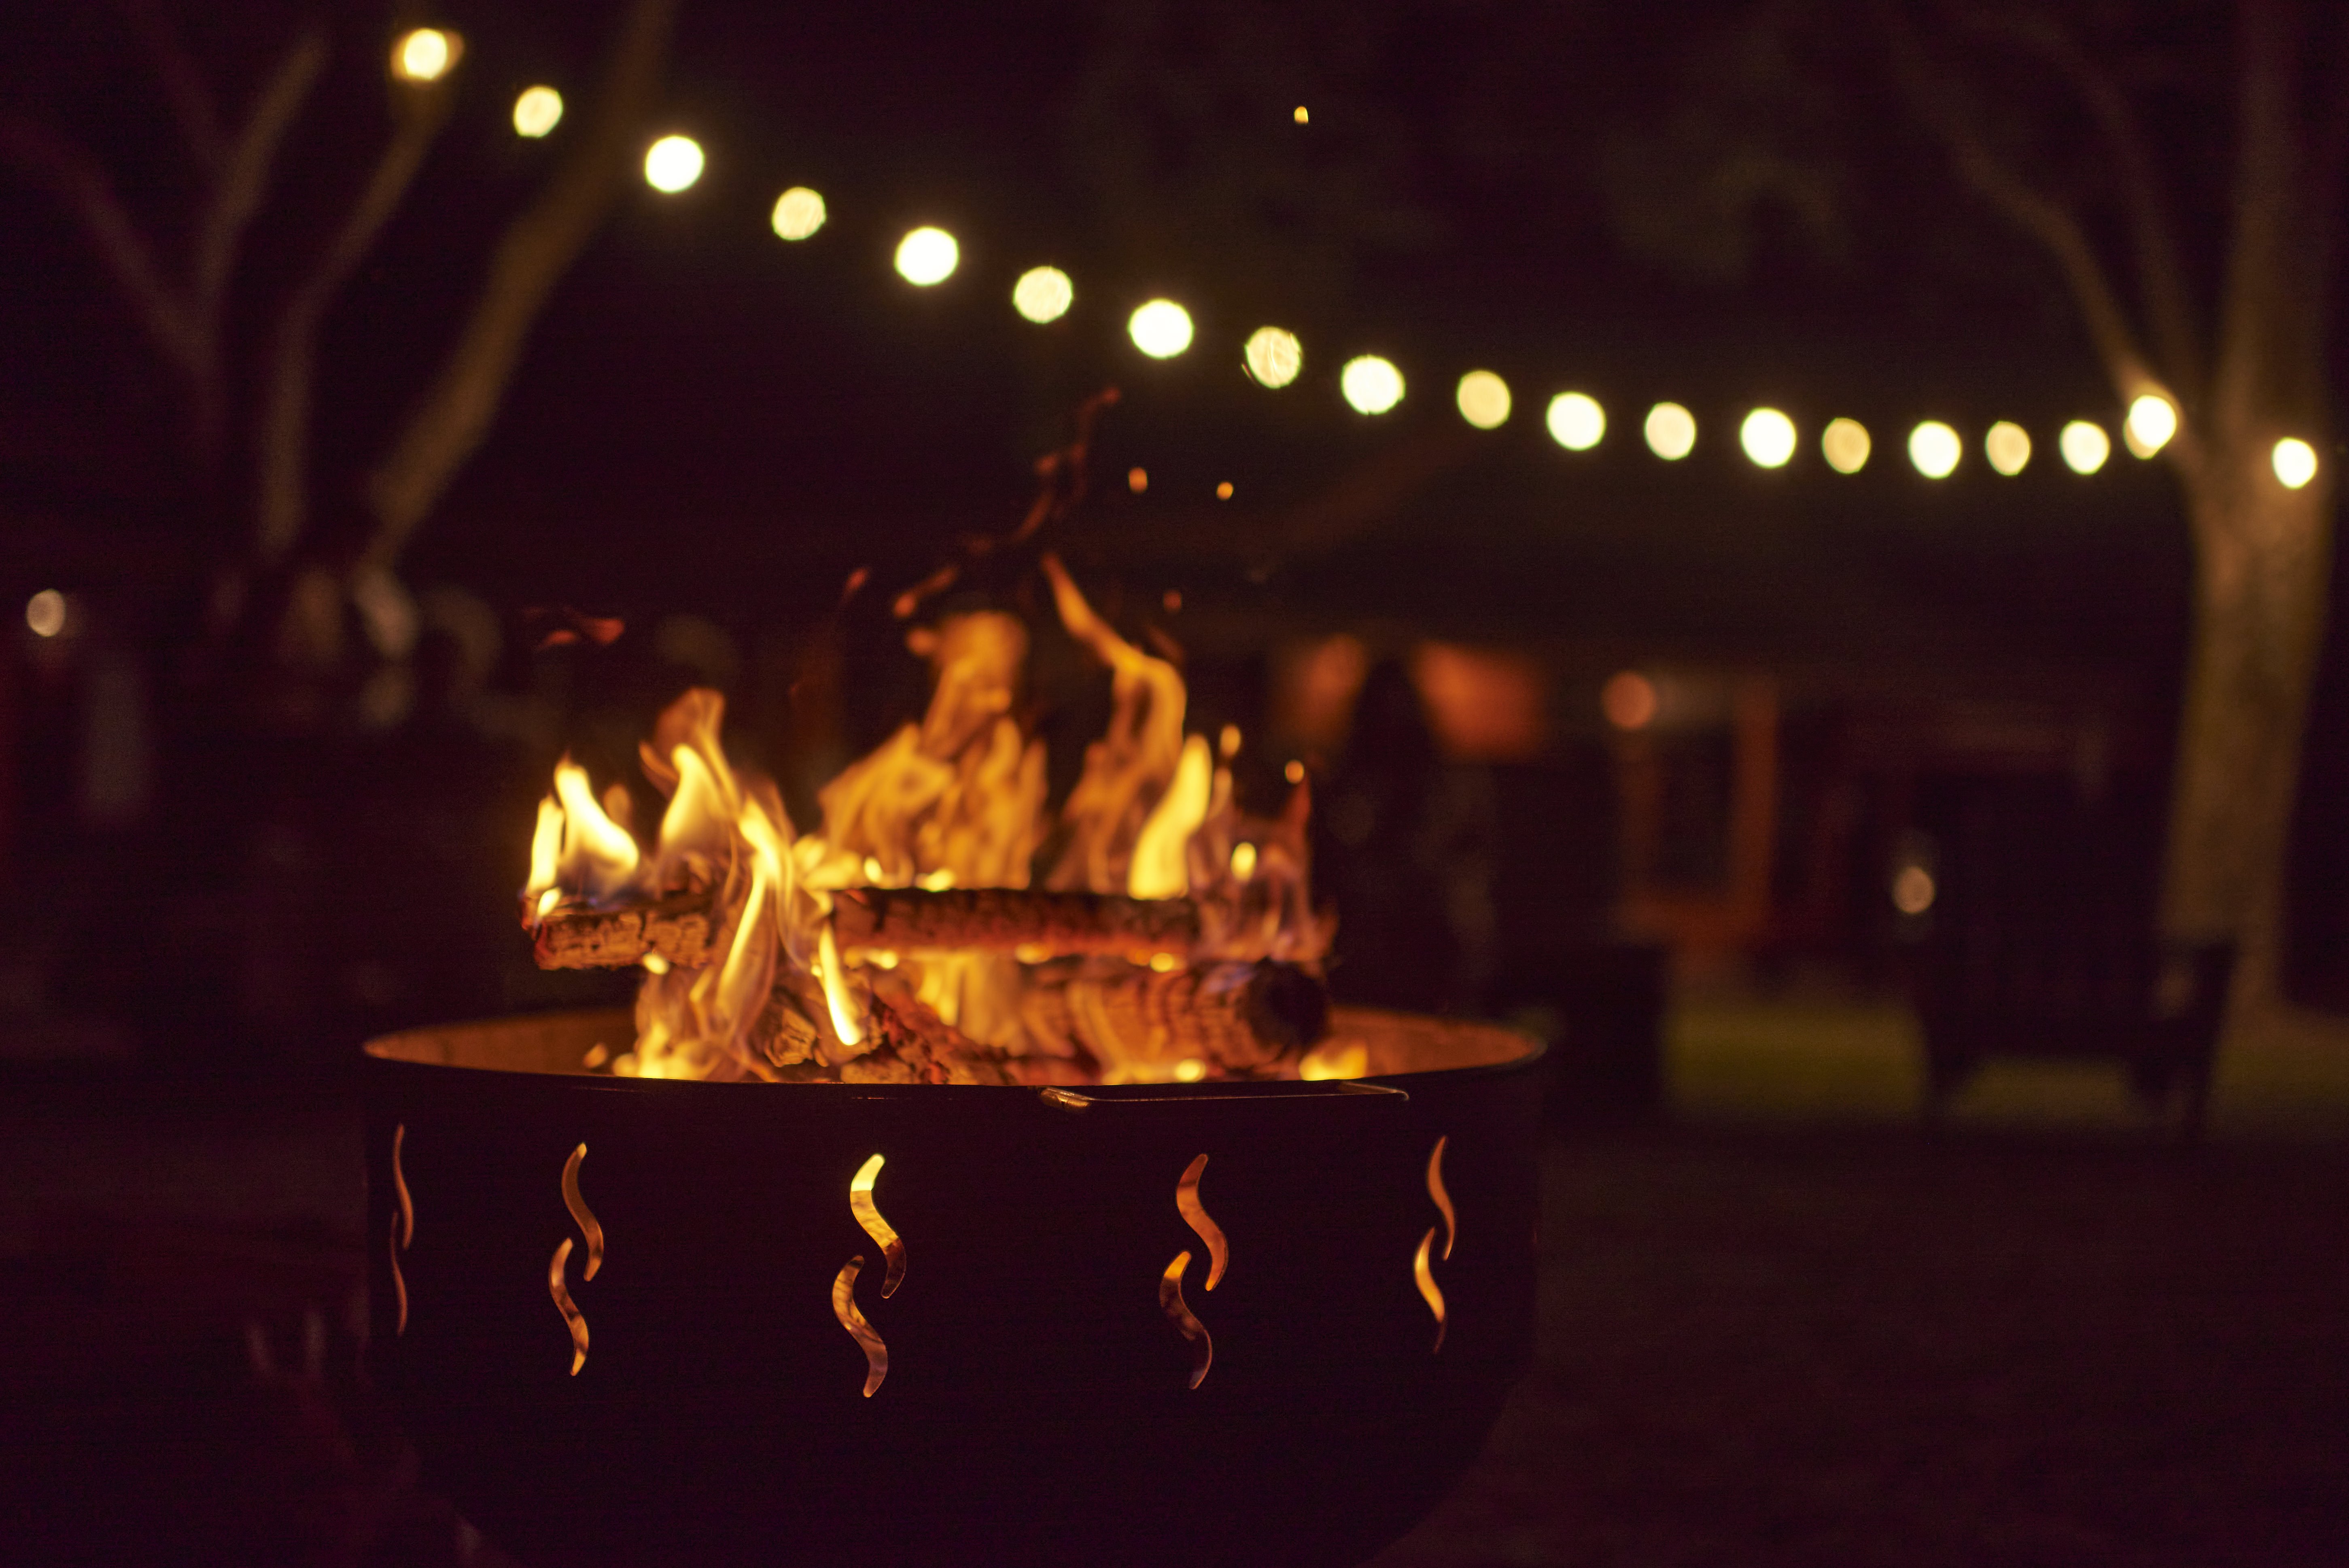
634	1320
975	1180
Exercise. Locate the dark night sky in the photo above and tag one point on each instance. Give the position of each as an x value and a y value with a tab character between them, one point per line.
709	419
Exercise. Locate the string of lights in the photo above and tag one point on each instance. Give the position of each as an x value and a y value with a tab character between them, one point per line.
1371	385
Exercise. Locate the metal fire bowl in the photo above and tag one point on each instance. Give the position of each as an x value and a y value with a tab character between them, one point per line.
1043	1400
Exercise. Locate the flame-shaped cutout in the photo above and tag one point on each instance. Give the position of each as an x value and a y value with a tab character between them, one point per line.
1427	1286
860	1203
572	1316
1195	1215
579	1211
403	1227
1179	1314
1442	1199
844	1307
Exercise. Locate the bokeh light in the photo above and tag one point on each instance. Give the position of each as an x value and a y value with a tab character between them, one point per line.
1301	117
2008	448
1137	480
1273	356
1914	891
1484	399
799	212
2084	447
1161	328
425	54
672	164
1768	437
45	613
927	256
1043	293
1628	700
2295	462
1670	430
1846	444
1576	421
1370	385
1935	449
537	111
2152	421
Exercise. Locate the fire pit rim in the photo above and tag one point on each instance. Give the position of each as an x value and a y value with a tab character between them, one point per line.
405	1047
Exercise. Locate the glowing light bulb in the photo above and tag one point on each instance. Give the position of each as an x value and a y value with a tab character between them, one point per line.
45	613
1484	399
1628	699
1768	437
2008	448
672	164
1301	117
537	111
1273	356
2294	460
927	256
1043	293
1935	449
1845	444
1162	329
1370	385
2152	421
2084	447
1576	420
1670	430
425	54
799	213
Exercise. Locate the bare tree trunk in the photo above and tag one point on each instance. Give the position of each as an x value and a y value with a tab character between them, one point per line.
2262	570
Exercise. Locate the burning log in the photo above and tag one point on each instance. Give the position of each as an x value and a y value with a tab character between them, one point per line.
1047	924
1228	1018
677	929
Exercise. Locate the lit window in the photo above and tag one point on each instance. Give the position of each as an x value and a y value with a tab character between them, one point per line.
537	111
2152	421
1484	399
1370	385
1935	449
672	164
1670	430
927	256
1768	437
2008	448
1043	293
799	212
1845	445
2084	447
2295	462
1576	422
1273	356
1162	329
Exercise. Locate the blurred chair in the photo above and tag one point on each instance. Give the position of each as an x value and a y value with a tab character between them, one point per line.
2029	932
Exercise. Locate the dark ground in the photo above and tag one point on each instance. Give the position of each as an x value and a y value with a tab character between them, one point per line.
1764	1342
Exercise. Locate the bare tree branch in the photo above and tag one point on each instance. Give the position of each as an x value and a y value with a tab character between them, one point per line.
2046	219
536	250
2259	305
282	436
184	86
81	185
2161	269
243	180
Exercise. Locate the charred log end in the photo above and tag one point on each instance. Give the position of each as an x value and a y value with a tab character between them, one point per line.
1285	1007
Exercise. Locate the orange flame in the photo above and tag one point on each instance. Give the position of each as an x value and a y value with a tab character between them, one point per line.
1179	1314
957	799
1194	1214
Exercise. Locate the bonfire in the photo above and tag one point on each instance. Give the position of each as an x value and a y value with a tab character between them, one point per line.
923	933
